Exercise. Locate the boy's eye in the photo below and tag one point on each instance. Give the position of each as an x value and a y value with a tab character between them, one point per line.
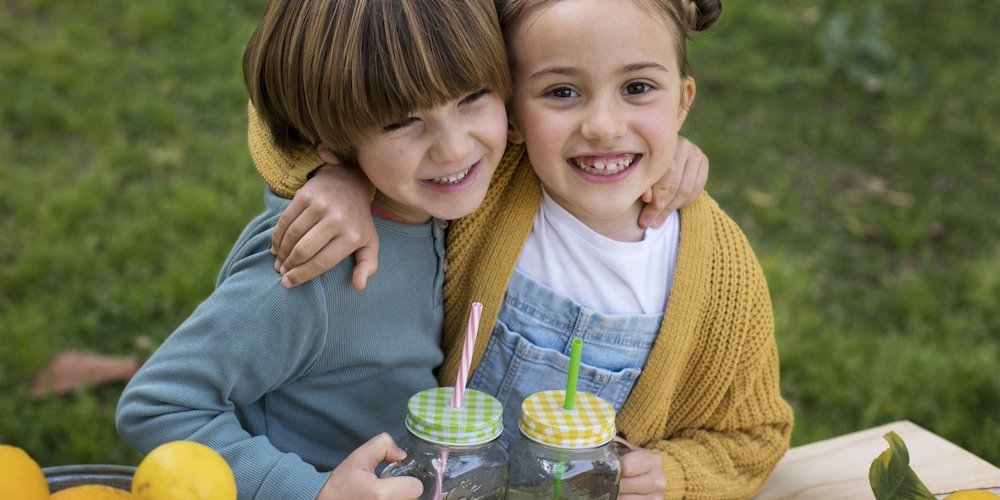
400	124
563	92
473	97
637	88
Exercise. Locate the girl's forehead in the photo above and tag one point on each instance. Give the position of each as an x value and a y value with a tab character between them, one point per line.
587	33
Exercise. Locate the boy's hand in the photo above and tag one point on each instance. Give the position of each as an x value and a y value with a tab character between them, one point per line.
329	218
642	473
355	476
680	186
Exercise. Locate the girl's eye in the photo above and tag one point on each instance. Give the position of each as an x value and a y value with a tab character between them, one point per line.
473	97
563	92
399	125
636	88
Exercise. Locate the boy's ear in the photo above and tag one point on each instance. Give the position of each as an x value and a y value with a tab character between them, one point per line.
688	91
327	155
514	136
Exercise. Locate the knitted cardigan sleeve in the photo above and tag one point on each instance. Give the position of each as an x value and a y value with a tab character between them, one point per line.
714	410
284	170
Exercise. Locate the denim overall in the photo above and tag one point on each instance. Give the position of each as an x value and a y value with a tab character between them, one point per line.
529	350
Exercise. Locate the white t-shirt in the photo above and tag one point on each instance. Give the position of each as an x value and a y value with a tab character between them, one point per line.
609	276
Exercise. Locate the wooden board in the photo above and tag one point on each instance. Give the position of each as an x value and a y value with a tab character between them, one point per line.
838	467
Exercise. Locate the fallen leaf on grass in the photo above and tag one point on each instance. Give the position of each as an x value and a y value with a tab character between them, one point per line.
71	370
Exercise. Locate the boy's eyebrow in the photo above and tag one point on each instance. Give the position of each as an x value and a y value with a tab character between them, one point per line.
569	70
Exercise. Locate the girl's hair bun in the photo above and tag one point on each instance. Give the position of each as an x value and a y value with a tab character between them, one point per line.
702	13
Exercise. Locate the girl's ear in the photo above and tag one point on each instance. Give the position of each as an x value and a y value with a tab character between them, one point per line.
514	136
688	90
327	155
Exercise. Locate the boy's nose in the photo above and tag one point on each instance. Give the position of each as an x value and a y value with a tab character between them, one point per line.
603	121
451	146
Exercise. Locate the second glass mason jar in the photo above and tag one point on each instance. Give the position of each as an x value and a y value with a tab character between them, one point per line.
563	453
453	451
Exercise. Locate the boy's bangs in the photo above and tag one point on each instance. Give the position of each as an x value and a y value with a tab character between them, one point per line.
432	56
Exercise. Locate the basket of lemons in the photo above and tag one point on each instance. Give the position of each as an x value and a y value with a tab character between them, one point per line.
178	470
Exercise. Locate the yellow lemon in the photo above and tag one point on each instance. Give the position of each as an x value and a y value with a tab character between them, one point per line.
91	492
183	470
972	495
20	475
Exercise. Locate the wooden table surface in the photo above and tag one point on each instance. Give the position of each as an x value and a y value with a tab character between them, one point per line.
838	467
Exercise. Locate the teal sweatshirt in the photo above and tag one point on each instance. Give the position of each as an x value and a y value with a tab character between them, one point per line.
285	383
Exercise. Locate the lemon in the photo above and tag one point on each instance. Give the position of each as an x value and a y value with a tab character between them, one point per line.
20	475
183	470
972	495
91	492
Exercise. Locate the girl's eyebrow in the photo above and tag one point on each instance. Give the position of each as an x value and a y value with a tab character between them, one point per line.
569	71
628	68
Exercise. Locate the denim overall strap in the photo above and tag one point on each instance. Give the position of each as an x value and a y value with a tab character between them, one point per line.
529	349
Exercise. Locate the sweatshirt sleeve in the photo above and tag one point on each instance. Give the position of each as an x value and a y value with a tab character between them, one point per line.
285	171
249	337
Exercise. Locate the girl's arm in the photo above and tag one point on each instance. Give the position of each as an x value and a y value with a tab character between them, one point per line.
324	222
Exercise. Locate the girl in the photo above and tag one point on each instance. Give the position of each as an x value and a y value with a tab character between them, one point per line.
284	383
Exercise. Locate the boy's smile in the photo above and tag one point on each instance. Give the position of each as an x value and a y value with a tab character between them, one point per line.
436	162
599	120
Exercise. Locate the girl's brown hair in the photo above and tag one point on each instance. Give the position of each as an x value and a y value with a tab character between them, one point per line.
686	15
329	71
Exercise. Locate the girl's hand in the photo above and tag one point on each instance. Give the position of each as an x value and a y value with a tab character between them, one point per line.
679	187
642	473
329	218
355	476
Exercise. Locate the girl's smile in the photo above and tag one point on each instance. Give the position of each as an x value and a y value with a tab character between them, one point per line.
605	167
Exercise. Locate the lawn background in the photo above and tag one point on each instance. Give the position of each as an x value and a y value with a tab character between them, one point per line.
856	143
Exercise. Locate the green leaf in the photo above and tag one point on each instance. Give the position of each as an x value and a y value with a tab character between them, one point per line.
891	476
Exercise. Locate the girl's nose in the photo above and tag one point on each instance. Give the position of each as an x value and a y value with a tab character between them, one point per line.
603	122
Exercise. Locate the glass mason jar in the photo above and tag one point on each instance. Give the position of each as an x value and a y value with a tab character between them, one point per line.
453	451
564	453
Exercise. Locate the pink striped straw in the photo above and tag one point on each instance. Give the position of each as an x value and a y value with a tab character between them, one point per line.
470	343
439	474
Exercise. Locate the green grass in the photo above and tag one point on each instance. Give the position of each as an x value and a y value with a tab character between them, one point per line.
857	144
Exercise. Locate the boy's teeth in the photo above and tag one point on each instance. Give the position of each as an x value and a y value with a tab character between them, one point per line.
451	179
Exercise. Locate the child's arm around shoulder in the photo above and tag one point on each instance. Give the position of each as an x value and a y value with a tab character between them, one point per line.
329	217
680	186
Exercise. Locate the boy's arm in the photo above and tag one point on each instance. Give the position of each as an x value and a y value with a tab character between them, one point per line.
329	217
680	186
227	355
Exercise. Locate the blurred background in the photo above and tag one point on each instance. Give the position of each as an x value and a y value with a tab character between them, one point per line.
856	143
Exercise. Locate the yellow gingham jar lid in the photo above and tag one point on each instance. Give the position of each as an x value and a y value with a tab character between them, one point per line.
429	415
589	424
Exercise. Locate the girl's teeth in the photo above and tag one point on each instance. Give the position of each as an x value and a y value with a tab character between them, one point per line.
604	167
451	179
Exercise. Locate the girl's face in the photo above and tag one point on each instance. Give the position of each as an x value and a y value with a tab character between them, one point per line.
598	101
436	162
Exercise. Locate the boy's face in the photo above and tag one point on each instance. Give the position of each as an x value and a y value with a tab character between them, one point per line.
437	162
598	100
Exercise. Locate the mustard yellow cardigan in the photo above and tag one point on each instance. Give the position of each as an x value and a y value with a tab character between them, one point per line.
708	398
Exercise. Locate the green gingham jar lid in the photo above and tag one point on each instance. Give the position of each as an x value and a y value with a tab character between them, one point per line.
429	416
589	424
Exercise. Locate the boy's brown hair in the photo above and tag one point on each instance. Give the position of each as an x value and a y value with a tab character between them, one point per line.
329	71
